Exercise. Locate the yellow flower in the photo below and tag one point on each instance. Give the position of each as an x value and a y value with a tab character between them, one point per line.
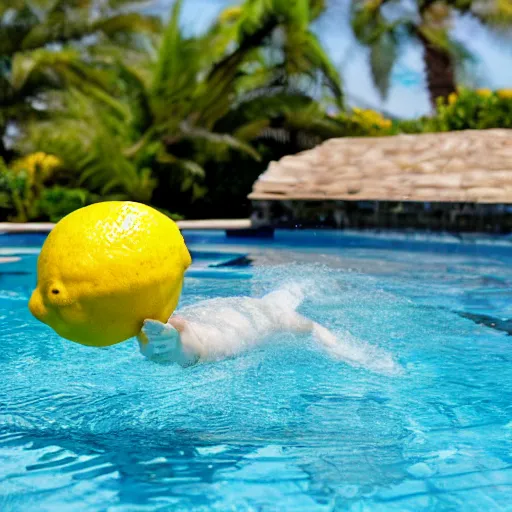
37	162
484	93
452	98
370	117
504	94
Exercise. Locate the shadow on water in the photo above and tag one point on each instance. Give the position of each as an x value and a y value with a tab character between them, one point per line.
282	428
190	469
489	321
181	473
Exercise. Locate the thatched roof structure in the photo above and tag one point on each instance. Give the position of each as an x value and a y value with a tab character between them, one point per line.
467	166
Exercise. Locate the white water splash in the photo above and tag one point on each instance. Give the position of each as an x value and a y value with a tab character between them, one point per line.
225	327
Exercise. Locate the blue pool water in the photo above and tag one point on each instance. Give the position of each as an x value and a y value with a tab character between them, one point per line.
284	427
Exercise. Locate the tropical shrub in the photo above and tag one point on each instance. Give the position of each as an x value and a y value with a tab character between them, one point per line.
103	102
364	122
196	104
57	44
22	185
56	202
30	190
473	109
90	141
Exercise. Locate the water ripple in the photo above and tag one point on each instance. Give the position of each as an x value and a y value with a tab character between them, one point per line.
279	428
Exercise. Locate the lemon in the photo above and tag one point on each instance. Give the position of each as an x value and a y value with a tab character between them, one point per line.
106	268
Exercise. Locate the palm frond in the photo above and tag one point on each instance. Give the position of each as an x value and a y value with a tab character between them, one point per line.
496	13
127	22
296	12
252	130
26	65
91	150
218	139
319	60
367	21
383	55
169	54
316	8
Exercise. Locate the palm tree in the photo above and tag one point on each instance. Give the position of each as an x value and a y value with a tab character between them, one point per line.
259	73
53	44
264	49
383	24
284	88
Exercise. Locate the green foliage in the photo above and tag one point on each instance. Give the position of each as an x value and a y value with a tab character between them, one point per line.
428	23
372	29
126	104
16	195
478	110
56	202
26	193
411	125
109	104
20	191
51	45
366	123
90	141
173	216
383	53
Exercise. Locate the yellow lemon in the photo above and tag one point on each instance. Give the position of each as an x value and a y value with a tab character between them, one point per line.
107	267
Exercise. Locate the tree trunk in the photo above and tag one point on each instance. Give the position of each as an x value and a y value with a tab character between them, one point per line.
439	67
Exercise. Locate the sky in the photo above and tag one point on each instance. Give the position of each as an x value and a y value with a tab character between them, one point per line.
492	65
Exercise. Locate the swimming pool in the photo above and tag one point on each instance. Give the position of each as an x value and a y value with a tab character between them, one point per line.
281	428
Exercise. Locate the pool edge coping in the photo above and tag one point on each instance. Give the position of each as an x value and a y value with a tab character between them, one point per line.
204	224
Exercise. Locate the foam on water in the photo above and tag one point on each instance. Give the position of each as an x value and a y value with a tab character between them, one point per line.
282	426
231	326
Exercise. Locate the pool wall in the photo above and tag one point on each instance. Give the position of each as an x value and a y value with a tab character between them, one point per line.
431	216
